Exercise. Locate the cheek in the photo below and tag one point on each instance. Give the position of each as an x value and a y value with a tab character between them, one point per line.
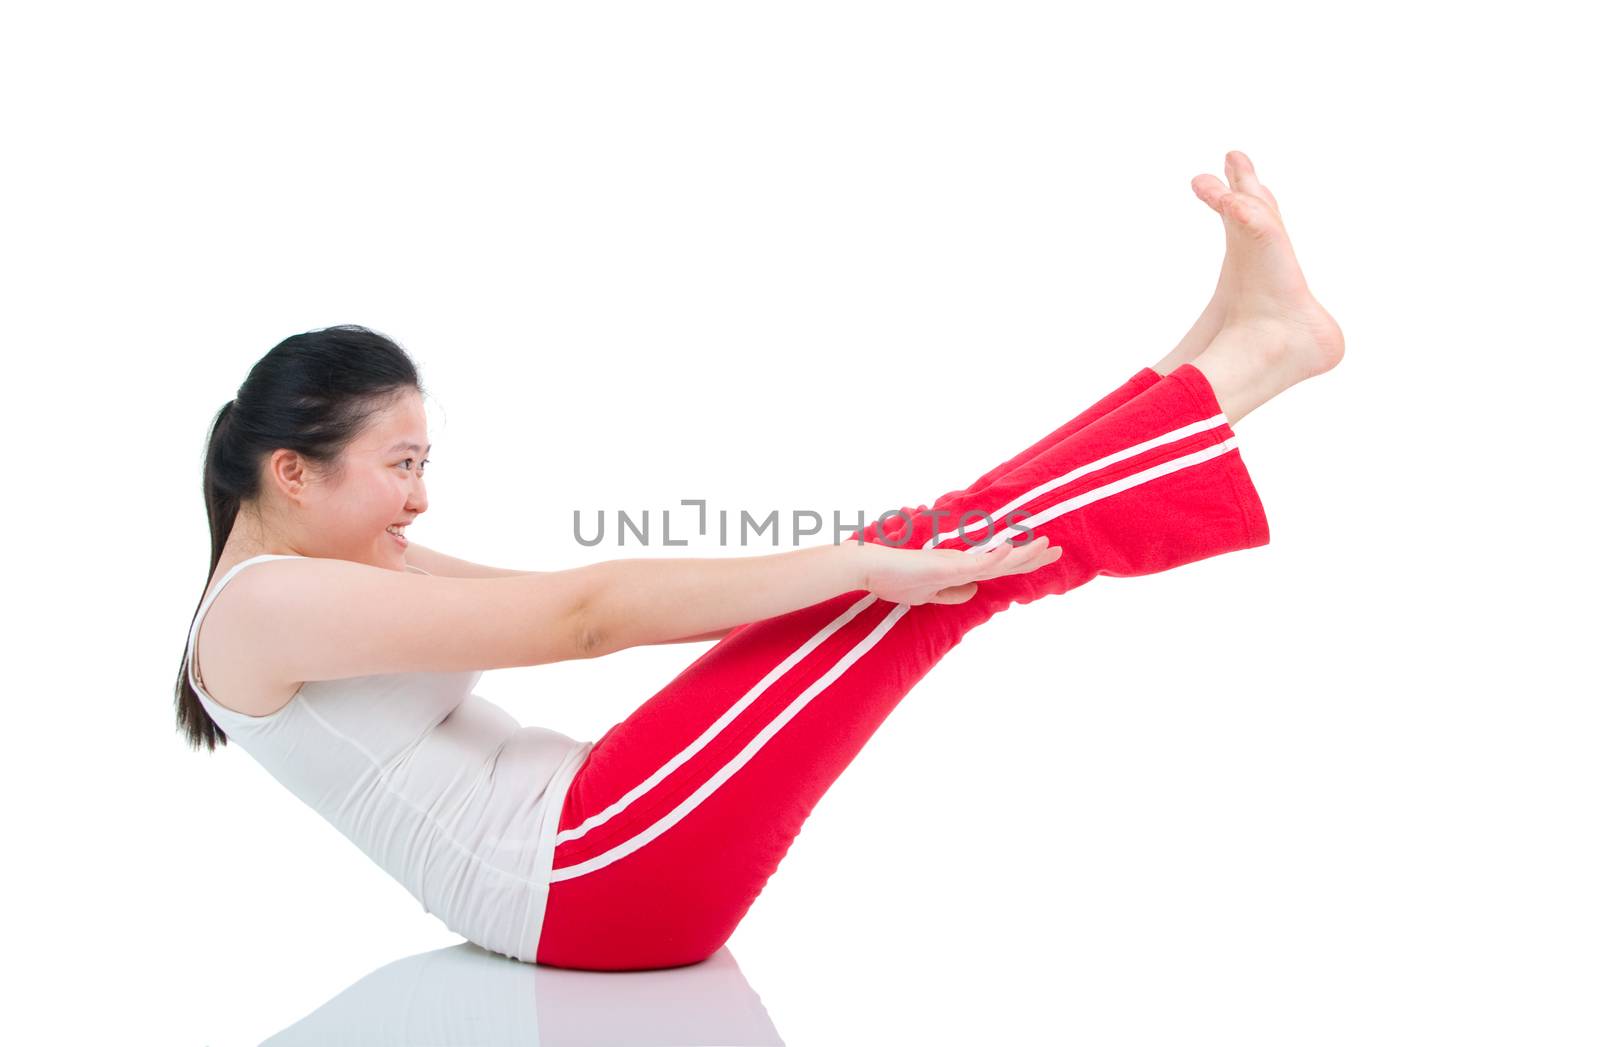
375	505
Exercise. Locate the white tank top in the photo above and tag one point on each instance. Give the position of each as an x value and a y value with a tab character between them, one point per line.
446	791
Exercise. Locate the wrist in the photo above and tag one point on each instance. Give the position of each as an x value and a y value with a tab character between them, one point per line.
852	557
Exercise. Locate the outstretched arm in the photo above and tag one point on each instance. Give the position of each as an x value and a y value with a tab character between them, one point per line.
633	602
434	562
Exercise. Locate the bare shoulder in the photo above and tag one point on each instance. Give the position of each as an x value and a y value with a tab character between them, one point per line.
229	669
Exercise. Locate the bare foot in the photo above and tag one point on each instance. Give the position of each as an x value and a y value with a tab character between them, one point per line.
1273	333
1211	318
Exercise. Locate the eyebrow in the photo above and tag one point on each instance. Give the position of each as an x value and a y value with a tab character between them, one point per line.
403	446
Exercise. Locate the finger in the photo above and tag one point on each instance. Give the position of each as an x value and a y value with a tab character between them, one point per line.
1044	561
1037	555
955	593
1017	559
977	566
991	563
1031	557
1033	546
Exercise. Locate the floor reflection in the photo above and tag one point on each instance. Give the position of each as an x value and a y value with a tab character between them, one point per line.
465	995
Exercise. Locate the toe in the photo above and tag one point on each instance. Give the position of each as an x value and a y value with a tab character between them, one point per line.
1209	188
1242	174
1240	207
1239	171
1273	200
1242	177
1249	211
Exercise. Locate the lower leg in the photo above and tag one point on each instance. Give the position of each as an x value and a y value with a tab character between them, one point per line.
1194	342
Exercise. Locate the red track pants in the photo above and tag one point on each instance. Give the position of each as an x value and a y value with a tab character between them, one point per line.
682	811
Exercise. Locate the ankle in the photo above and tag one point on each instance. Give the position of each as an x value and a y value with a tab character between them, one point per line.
1247	364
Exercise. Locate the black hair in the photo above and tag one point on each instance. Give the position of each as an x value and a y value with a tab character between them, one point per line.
312	393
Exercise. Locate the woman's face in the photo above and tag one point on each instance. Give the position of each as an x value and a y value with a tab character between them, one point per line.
379	484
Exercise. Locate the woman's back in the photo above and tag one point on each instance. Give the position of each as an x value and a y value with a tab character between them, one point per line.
444	790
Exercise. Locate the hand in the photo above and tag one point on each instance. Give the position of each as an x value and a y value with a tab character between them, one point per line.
917	576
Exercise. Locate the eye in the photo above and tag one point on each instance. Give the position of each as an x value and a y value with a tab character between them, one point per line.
421	468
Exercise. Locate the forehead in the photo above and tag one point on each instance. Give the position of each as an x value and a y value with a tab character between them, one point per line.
402	422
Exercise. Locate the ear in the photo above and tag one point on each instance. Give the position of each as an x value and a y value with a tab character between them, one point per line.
289	472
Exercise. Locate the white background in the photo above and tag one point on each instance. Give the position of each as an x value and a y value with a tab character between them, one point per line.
1338	789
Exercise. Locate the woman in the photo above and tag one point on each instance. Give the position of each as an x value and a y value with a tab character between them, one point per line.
342	656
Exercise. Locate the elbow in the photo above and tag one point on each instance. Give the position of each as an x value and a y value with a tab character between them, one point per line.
592	617
590	641
589	637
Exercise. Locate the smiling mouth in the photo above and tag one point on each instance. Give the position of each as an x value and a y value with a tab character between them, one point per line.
397	532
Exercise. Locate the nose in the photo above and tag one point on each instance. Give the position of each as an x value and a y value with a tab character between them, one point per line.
418	500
